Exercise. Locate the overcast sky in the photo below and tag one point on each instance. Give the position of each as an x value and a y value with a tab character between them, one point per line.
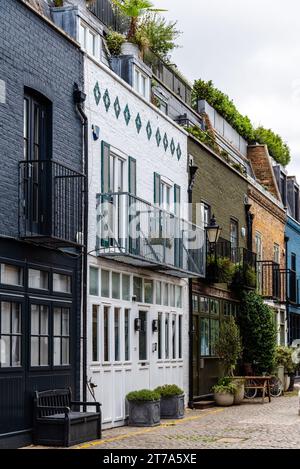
251	51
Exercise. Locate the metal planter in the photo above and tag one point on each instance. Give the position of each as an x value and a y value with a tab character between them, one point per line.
144	413
172	407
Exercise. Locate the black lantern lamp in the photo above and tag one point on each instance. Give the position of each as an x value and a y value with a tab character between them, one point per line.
213	231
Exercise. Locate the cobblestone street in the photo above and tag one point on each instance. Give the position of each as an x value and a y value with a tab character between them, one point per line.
251	425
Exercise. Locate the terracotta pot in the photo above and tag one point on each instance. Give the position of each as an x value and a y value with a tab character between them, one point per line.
224	399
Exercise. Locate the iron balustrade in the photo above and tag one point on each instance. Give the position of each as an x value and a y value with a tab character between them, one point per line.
276	283
108	15
50	203
231	264
134	231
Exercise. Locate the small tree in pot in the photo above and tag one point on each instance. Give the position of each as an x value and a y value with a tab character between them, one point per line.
144	408
172	401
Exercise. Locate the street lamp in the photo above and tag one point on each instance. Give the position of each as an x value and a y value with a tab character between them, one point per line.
213	231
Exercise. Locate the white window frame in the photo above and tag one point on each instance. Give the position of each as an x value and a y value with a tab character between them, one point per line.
92	48
138	75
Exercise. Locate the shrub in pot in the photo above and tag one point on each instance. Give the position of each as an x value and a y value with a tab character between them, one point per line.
144	408
172	401
224	392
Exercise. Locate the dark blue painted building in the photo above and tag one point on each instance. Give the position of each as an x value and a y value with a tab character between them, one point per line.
41	213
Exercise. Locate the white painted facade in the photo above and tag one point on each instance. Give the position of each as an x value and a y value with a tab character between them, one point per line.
114	357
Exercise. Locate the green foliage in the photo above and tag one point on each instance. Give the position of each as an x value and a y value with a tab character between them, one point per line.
114	42
277	148
169	390
229	345
143	395
224	105
207	137
58	3
283	356
244	276
225	385
220	270
258	332
157	34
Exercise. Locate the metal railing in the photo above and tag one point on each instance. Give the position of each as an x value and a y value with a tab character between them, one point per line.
108	15
138	232
50	202
276	283
232	265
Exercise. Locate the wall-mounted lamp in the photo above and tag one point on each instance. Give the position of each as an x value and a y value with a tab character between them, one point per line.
155	325
137	324
133	298
213	231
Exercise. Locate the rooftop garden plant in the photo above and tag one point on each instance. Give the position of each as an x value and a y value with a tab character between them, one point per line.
114	41
143	395
169	390
206	90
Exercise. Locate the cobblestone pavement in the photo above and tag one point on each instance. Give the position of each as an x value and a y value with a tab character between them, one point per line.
250	425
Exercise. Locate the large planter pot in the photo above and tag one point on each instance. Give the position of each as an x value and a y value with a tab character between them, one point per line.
224	399
144	413
129	48
239	395
172	407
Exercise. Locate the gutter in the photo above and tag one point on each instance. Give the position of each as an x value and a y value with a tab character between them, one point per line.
79	99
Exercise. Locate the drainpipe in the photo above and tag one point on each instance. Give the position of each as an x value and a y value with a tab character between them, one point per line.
192	173
286	241
79	99
249	219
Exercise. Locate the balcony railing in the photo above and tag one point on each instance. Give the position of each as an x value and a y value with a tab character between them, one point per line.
135	232
50	203
235	266
275	283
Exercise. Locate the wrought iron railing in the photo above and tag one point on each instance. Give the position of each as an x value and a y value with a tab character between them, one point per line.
50	202
135	231
229	264
276	283
108	15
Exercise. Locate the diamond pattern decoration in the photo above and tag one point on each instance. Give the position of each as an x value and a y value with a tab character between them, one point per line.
97	93
158	137
172	146
127	114
138	123
149	130
178	152
106	100
117	107
166	142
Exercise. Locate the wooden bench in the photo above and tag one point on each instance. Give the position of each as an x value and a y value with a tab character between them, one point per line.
58	420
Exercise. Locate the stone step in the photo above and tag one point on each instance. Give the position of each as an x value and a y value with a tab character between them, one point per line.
200	405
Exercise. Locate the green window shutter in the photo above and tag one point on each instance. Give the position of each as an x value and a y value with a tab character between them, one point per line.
132	176
105	168
177	199
157	193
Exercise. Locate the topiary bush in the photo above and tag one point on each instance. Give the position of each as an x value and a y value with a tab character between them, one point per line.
143	395
258	331
229	345
169	390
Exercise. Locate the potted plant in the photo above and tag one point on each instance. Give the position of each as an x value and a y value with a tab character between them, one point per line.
144	408
172	401
283	357
224	392
220	269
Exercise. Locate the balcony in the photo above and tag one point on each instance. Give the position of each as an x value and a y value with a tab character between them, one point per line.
235	266
132	231
50	204
275	283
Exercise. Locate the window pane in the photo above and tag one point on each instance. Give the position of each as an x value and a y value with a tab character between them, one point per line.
56	351
178	297
65	321
106	333
65	359
16	318
143	336
38	279
16	351
148	291
172	295
167	335
116	285
180	337
204	305
44	327
105	283
126	287
214	335
138	288
5	317
61	283
95	334
117	334
159	336
34	351
127	336
5	351
57	321
195	301
214	307
174	336
158	293
166	294
204	337
44	346
11	275
35	320
94	281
